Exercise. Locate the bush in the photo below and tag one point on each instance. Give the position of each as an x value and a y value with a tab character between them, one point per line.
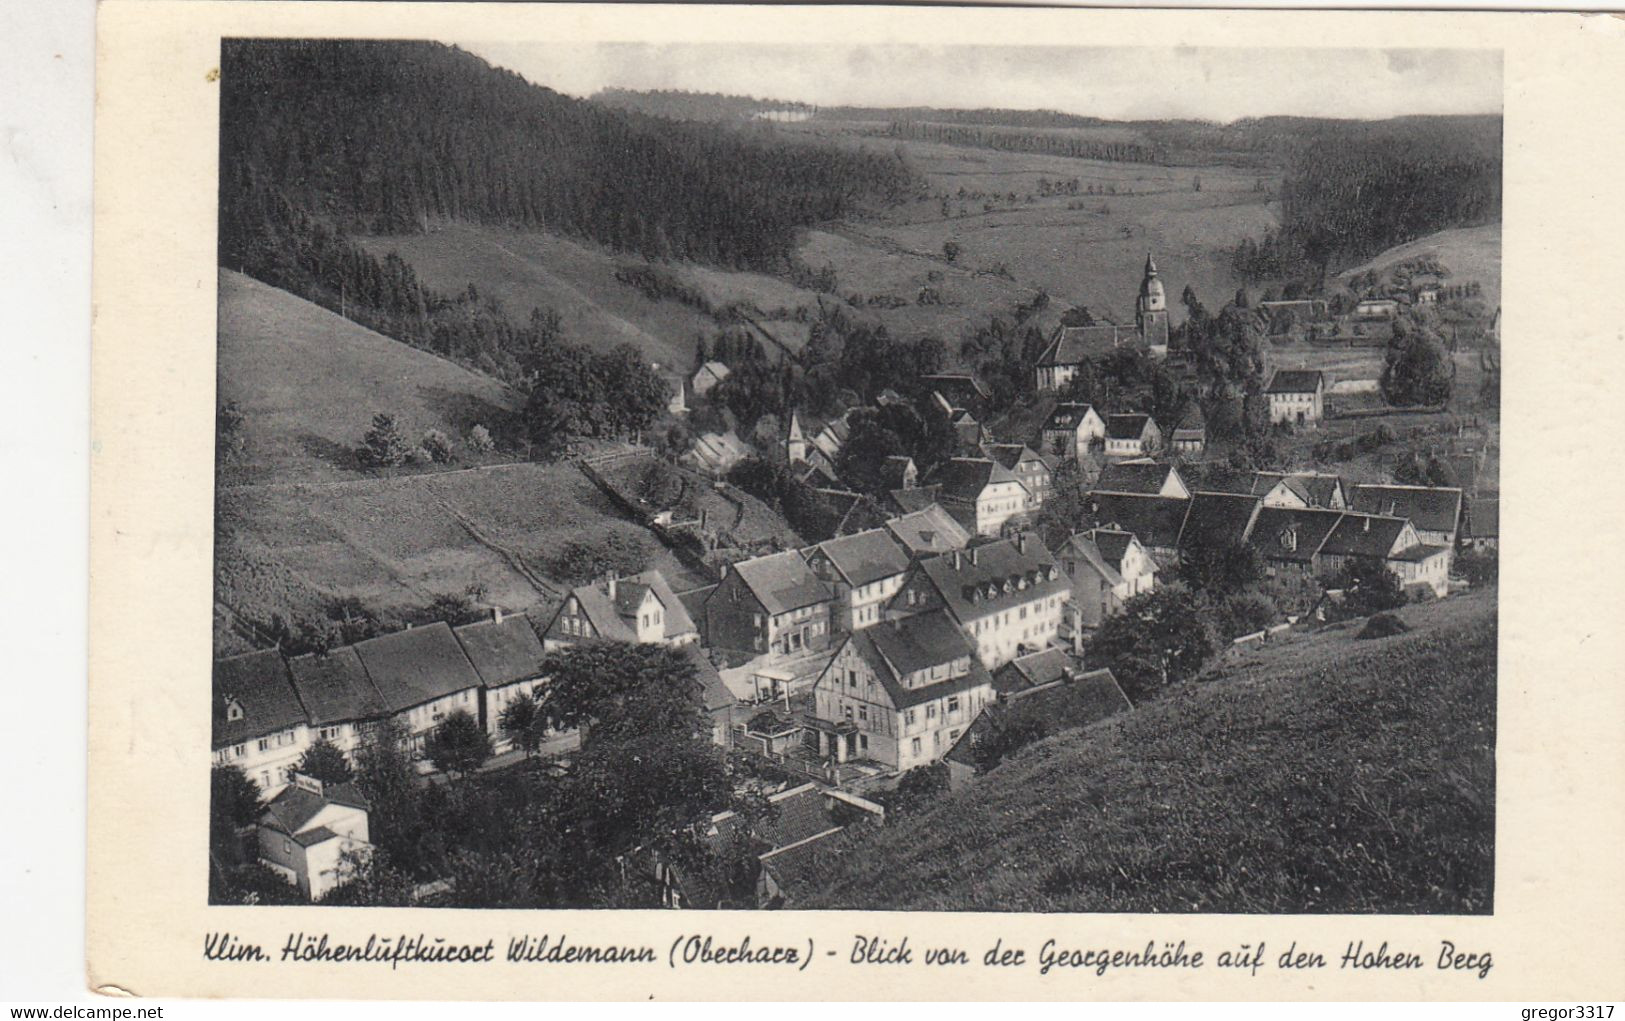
1479	568
1383	625
480	441
438	446
1245	612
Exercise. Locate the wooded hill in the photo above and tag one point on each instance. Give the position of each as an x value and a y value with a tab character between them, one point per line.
388	137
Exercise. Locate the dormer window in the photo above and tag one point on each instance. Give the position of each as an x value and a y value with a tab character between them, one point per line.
234	709
1289	539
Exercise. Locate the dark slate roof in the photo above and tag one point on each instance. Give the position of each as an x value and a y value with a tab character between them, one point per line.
1091	698
1032	670
1126	427
1295	381
964	478
291	809
1435	509
866	557
1311	527
1112	544
1218	519
895	649
335	687
714	693
932	530
1083	547
1484	519
1067	416
782	582
261	685
896	467
1363	535
1072	344
504	652
1419	552
1315	488
1141	477
694	601
1192	421
417	665
1154	520
909	501
1012	454
966	579
962	383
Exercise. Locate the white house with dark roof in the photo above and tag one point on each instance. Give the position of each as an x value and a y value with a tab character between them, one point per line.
1297	396
1107	567
1006	595
773	605
257	721
508	657
1071	430
1132	435
422	677
980	493
1395	543
864	570
637	608
306	830
900	693
1190	434
1032	469
1436	511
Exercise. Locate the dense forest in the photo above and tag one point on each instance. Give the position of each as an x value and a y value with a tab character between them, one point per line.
682	105
389	137
1355	188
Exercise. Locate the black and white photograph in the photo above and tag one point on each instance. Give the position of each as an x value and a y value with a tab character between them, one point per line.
856	476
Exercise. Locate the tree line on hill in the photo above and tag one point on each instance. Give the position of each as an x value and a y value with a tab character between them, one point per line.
1355	188
386	137
1049	143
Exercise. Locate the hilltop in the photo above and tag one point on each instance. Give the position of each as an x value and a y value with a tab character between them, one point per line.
1469	253
1323	774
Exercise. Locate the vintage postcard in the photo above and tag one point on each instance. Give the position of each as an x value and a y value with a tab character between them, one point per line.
680	502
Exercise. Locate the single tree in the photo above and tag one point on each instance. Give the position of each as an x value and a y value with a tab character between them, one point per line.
459	745
323	761
438	446
480	441
1162	637
950	250
523	723
234	802
383	446
622	690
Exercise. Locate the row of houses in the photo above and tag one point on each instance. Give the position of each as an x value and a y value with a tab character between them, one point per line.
269	708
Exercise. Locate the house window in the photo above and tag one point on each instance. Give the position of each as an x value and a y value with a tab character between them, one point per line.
908	718
287	847
265	744
863	713
914	746
953	704
931	711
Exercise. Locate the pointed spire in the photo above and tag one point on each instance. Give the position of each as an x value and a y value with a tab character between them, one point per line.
1150	267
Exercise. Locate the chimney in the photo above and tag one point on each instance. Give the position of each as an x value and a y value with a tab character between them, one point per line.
609	584
1021	543
973	556
1367	522
956	560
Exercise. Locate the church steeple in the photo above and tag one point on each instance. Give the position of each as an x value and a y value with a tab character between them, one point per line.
795	446
1151	310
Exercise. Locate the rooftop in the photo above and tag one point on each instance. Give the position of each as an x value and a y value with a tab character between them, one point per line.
896	649
335	688
503	652
782	582
1436	509
1218	519
1295	381
259	684
989	577
1126	427
932	530
1155	520
1144	477
865	557
417	665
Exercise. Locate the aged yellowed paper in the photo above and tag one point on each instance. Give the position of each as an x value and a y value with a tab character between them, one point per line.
369	469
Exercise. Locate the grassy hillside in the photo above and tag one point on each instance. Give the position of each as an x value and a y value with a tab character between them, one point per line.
1470	253
1324	774
526	270
309	381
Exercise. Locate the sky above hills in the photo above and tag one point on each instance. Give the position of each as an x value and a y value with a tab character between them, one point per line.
1120	83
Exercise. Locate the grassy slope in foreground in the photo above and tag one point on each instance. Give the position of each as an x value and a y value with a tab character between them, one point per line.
1328	774
309	382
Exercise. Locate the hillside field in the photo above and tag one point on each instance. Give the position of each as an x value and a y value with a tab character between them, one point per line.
1470	253
527	270
309	381
1323	773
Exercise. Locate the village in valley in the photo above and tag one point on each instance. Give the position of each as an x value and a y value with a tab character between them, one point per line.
810	599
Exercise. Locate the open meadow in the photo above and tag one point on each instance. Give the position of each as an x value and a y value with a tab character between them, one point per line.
1203	800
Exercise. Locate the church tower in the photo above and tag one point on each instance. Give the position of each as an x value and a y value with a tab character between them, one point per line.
795	444
1151	310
